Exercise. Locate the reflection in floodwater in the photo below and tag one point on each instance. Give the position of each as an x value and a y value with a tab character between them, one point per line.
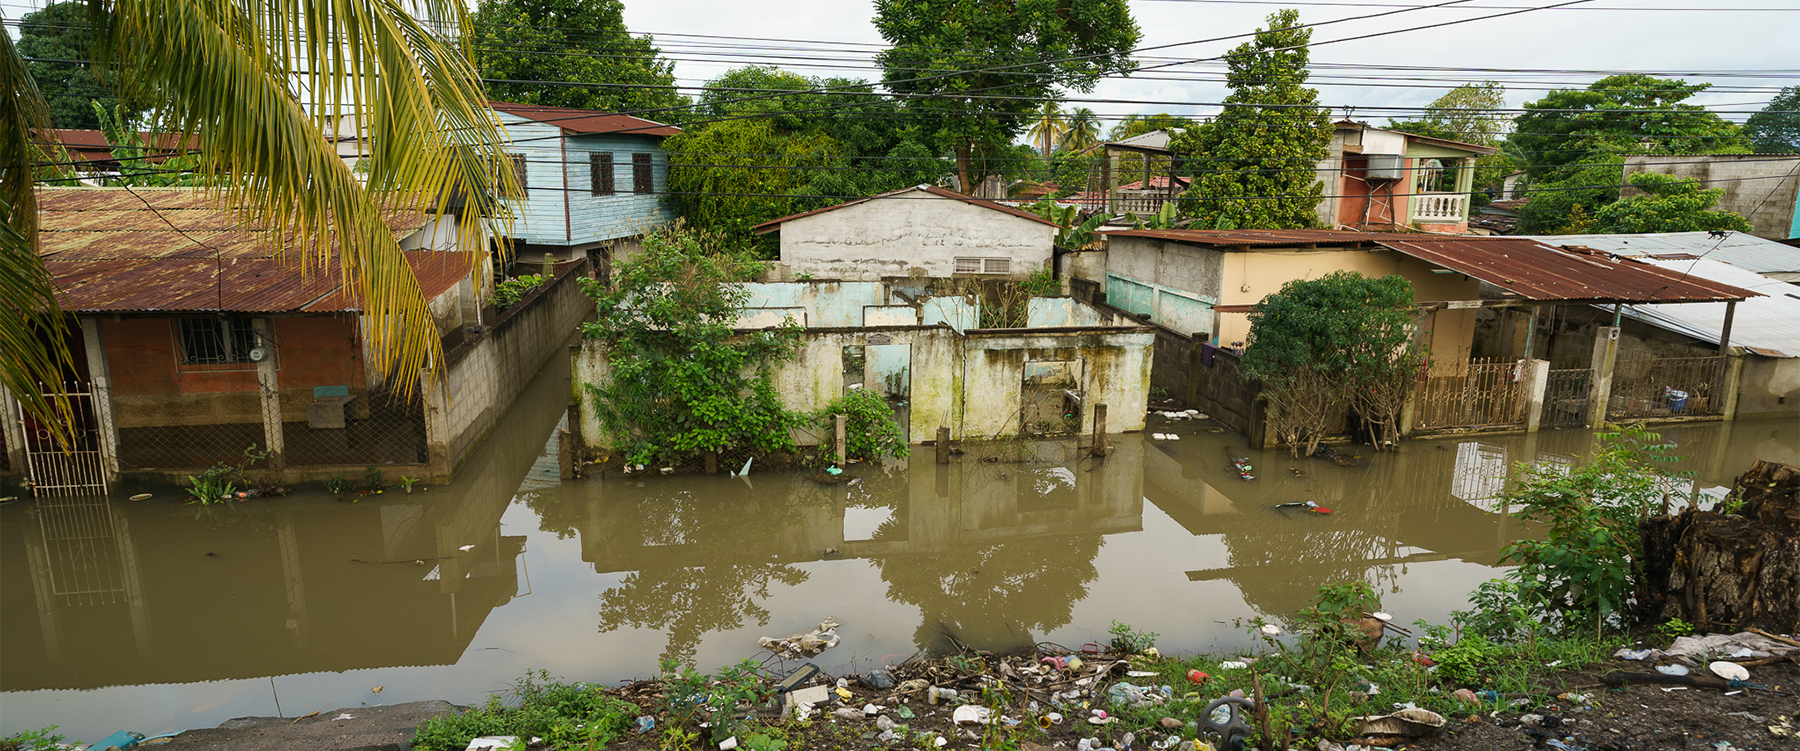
1012	544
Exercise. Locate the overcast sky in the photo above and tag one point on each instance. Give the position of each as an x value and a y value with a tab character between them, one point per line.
1603	35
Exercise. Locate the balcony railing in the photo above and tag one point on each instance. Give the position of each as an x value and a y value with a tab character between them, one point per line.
1140	202
1441	207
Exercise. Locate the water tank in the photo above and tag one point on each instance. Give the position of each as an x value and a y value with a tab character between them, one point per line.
1385	167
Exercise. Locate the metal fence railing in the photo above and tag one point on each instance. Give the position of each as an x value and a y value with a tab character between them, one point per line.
1566	398
1666	387
1487	393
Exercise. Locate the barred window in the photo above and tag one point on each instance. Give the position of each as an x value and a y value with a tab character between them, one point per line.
642	180
213	341
600	169
519	172
983	266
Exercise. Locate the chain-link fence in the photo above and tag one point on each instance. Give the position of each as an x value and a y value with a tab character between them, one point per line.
1666	387
335	426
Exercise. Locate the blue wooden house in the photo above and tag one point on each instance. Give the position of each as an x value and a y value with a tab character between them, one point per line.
594	181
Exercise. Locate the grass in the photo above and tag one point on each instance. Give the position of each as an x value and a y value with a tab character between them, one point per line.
565	715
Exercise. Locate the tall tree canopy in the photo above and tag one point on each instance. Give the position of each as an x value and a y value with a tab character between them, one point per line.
519	43
1254	165
60	32
1776	129
979	70
1573	141
1469	113
749	157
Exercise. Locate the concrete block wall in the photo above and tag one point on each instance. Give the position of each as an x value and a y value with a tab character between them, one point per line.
1764	188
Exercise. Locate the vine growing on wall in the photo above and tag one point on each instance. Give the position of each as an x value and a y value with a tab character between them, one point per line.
682	380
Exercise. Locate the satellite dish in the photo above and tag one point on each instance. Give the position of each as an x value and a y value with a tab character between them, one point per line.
259	354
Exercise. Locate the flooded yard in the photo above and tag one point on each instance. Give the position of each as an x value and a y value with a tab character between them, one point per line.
158	617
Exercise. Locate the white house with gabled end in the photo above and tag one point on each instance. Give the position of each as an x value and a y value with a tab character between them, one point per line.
922	231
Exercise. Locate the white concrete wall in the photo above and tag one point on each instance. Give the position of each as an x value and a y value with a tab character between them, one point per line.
1761	187
913	231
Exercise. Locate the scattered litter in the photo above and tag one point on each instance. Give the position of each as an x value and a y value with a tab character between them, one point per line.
141	497
1411	722
970	714
1636	654
728	744
1758	719
879	680
1674	688
1233	665
646	723
1730	671
499	742
1676	669
1465	696
818	640
1197	677
1271	630
344	716
933	694
904	711
1139	674
1759	646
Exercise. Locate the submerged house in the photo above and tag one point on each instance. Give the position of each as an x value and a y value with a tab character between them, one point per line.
1043	373
922	231
196	343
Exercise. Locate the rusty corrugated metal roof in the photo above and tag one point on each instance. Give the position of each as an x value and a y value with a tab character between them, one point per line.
170	249
1522	266
773	224
586	122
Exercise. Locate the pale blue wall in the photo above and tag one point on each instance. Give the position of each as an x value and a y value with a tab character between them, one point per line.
548	154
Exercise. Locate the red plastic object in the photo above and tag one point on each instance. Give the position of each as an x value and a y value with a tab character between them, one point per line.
1319	510
1197	677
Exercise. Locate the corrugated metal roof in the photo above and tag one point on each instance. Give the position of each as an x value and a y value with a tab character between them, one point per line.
1521	266
109	251
773	224
586	122
1770	325
1740	249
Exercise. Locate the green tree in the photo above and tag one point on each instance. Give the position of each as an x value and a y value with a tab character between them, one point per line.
1667	204
682	381
261	109
1255	162
979	69
1566	138
139	164
1469	113
731	176
1322	345
525	47
1776	129
1083	130
60	32
1048	127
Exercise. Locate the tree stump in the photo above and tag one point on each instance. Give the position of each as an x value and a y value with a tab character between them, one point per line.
1729	572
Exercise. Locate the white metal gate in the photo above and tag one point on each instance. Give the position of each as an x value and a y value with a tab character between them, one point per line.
53	470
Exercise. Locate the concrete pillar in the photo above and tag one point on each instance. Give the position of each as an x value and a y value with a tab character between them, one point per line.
840	439
437	427
1606	352
1409	409
1099	446
269	387
1534	382
101	388
943	445
1734	382
14	431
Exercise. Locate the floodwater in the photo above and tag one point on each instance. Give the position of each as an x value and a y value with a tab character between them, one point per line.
158	617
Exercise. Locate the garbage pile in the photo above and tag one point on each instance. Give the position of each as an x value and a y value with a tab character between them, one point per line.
804	645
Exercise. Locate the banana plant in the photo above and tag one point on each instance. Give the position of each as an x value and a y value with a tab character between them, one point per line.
1072	233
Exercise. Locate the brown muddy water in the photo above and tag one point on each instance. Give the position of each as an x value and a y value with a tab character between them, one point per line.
158	617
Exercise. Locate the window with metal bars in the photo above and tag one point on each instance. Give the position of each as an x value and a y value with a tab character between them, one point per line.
983	265
519	172
642	180
215	341
600	168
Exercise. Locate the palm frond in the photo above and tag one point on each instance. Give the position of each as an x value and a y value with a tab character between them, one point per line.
32	349
234	73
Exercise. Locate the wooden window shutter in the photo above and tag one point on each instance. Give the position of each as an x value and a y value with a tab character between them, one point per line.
642	180
601	167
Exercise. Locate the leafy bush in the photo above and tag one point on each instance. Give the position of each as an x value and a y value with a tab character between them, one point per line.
508	292
1127	639
31	740
1585	567
691	697
869	428
560	713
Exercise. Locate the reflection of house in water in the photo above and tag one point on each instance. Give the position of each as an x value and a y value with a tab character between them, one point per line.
994	546
110	592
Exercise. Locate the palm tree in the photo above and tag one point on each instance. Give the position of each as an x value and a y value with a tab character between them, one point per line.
1082	130
1048	128
259	83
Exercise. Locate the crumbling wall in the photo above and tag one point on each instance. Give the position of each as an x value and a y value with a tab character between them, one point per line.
1729	572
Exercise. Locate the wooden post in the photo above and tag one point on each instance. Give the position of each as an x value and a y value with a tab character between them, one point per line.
712	462
100	387
943	445
269	384
1100	447
1725	332
840	440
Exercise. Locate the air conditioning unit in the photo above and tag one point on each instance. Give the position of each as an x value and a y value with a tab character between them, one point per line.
1385	167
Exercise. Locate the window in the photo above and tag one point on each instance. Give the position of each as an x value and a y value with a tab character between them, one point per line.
1432	176
216	341
600	169
642	181
984	266
518	169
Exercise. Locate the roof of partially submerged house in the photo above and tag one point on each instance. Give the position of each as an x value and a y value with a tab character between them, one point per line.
933	190
174	250
1523	267
1740	249
1764	325
92	147
586	122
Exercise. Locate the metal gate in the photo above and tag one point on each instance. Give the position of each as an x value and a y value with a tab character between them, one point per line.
55	470
1566	398
1487	394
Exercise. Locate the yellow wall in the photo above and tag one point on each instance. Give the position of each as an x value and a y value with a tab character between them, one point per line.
1252	275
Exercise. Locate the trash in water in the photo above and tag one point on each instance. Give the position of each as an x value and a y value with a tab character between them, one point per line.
877	679
804	645
1306	506
141	497
746	469
1240	465
121	740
